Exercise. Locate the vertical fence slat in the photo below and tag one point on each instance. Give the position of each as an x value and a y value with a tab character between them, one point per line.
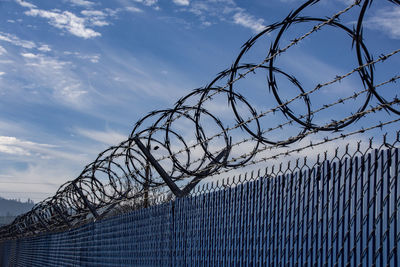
343	213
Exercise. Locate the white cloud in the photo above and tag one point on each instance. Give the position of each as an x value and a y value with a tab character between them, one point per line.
386	20
15	137
14	150
72	91
66	21
40	61
90	13
139	76
181	2
225	11
106	137
91	58
147	2
43	71
133	9
199	8
99	23
25	4
72	23
112	12
248	21
69	21
47	167
15	146
2	50
44	48
81	3
29	55
2	73
95	17
10	38
43	175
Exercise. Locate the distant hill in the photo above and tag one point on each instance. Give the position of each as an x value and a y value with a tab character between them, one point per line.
10	207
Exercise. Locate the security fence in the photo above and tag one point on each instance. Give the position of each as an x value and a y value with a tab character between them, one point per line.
336	212
240	121
145	201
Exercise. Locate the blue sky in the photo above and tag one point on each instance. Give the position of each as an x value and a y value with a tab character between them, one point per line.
75	75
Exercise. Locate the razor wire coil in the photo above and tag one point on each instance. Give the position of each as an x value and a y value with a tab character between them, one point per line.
122	172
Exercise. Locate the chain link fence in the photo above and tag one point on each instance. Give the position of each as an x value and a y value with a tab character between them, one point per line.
341	209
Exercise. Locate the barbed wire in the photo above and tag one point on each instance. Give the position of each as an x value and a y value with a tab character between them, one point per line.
325	140
311	145
289	122
325	106
125	171
371	89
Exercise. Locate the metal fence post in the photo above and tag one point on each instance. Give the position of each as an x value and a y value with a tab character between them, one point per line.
87	204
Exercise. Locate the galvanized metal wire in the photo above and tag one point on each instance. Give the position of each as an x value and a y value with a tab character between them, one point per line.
123	173
339	209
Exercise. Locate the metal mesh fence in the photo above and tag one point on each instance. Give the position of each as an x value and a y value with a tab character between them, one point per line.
139	238
336	212
233	122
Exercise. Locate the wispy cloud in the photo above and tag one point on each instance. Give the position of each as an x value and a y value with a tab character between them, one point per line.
66	21
15	146
202	8
91	58
147	2
25	4
105	137
96	17
44	48
40	60
84	3
11	38
248	21
133	9
386	20
223	10
29	55
45	169
93	13
2	50
11	128
181	2
139	76
49	72
42	176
